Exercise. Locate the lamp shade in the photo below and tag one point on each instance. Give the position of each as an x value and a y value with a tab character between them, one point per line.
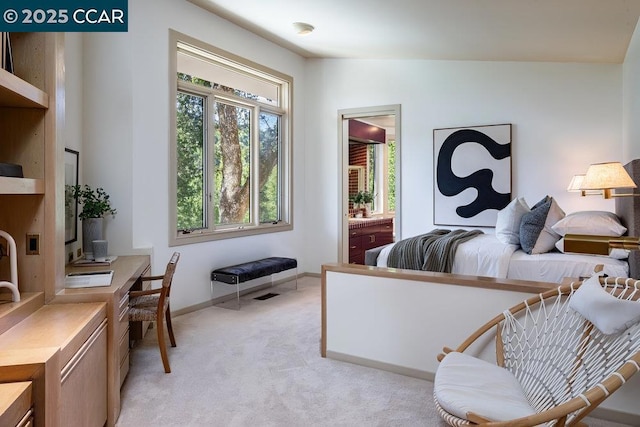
575	184
601	176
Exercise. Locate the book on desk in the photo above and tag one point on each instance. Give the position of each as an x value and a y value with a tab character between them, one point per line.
90	279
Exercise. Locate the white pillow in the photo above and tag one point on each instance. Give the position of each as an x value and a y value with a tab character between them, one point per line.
600	223
508	221
536	234
607	313
615	253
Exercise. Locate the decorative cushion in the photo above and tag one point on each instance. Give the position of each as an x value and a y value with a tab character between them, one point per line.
508	221
615	253
536	234
600	223
466	384
607	313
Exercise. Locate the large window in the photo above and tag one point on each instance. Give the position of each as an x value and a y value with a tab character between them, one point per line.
232	171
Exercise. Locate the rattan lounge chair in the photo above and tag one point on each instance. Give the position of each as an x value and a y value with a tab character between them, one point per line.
553	365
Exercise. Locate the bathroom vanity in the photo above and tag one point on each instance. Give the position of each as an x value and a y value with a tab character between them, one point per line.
368	233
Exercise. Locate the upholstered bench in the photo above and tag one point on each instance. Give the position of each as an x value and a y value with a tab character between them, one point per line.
239	273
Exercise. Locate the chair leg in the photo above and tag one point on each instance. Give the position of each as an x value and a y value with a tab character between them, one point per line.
162	345
172	338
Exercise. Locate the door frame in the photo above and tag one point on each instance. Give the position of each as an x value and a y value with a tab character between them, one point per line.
343	180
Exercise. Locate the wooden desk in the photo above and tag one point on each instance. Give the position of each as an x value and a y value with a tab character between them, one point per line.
127	271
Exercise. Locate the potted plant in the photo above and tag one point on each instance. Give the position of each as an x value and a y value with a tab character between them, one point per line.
364	198
94	205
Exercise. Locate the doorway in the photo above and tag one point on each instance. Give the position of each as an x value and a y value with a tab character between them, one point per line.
370	164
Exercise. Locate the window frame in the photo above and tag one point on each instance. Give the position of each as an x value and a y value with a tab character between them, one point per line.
211	232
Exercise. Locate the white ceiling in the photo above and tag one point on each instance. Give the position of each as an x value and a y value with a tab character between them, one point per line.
493	30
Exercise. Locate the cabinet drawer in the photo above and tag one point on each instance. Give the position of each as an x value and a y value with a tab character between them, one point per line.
16	400
124	370
355	245
387	228
123	315
123	347
124	357
371	241
27	421
355	232
85	376
356	259
384	239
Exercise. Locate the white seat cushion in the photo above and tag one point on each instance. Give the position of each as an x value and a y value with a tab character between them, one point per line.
466	384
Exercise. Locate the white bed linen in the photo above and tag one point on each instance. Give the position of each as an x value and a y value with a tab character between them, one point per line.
555	266
486	256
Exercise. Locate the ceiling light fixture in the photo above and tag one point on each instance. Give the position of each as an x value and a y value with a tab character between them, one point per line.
302	28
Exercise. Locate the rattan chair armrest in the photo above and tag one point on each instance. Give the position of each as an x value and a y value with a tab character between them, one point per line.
147	292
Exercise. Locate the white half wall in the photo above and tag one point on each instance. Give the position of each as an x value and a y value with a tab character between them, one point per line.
401	325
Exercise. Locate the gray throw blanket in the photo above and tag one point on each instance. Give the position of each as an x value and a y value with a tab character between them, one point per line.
433	251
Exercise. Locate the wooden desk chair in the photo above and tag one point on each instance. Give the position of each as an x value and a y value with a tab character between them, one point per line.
153	304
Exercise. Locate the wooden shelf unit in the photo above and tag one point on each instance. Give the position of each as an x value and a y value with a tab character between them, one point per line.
31	117
15	92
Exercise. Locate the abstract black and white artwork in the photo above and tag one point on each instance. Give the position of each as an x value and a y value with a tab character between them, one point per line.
472	168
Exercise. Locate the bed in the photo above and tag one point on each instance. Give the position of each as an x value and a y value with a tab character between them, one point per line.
490	256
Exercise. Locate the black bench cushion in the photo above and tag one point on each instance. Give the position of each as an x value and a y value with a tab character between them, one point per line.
252	270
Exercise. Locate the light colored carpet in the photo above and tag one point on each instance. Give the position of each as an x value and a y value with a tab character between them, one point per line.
261	366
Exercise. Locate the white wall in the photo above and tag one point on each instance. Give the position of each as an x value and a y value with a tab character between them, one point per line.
126	139
564	116
631	99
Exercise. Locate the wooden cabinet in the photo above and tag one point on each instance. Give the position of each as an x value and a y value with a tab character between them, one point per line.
83	396
367	234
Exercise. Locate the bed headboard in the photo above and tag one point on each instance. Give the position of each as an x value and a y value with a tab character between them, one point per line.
628	209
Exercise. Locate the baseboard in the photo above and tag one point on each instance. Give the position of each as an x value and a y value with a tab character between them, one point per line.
232	295
389	367
601	413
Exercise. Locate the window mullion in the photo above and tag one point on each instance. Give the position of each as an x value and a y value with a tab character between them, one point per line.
255	166
210	163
